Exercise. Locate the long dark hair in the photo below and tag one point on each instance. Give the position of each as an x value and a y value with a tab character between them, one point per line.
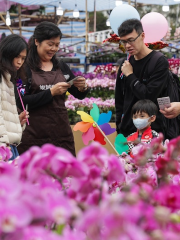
10	48
44	31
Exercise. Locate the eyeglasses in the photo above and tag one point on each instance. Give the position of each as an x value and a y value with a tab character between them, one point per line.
130	41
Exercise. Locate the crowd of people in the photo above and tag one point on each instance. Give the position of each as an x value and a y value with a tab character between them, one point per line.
45	82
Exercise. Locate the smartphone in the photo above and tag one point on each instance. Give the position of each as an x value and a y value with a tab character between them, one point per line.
164	102
72	80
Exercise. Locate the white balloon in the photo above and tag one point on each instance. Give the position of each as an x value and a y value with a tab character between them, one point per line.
120	14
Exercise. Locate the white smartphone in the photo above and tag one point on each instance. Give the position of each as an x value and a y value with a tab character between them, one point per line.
72	80
164	102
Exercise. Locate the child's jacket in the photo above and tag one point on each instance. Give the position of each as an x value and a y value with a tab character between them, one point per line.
146	137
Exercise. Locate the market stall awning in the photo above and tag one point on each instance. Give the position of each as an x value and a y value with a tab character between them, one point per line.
100	4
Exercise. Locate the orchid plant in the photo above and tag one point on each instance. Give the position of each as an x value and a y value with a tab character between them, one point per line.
73	105
49	194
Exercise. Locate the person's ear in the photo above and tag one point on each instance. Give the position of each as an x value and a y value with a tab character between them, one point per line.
36	42
143	35
153	118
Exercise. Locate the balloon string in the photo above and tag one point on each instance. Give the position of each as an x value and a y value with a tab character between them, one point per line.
22	104
106	138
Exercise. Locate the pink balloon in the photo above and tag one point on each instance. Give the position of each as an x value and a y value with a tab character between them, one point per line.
155	27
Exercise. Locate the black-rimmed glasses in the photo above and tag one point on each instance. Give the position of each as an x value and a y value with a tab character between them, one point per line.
130	41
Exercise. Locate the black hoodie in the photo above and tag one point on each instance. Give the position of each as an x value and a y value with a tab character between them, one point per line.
138	86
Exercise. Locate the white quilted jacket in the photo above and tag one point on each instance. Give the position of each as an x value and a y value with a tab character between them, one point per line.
10	127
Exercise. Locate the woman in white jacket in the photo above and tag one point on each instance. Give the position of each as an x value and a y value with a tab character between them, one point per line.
13	52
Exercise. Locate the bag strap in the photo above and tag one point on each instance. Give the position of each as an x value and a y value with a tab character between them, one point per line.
152	63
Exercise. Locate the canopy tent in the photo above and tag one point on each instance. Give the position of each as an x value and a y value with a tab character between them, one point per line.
81	4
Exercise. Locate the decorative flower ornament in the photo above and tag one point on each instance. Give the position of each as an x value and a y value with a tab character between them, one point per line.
20	87
21	91
154	45
94	126
115	39
157	45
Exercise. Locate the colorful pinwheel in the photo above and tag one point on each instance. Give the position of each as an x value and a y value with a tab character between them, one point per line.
94	126
121	144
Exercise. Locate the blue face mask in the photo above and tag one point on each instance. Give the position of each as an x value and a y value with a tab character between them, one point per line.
141	123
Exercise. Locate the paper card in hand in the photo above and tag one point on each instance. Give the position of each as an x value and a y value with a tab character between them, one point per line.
72	80
164	102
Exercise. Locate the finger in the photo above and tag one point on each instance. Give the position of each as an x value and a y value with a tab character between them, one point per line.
169	109
169	116
23	122
64	88
21	114
162	111
79	84
80	80
63	84
166	111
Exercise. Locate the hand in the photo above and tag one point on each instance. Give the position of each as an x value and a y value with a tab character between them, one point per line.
23	116
172	111
59	88
80	83
127	68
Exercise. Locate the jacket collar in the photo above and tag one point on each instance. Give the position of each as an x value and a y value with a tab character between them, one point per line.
147	135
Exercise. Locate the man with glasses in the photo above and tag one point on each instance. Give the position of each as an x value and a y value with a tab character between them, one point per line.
133	82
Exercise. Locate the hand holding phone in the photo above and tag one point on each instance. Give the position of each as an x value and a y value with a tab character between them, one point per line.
164	102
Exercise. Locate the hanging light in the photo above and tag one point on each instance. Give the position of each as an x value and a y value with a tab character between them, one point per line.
108	22
118	2
59	10
165	8
8	19
76	12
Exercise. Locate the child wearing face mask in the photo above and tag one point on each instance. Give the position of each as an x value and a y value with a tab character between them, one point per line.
143	114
